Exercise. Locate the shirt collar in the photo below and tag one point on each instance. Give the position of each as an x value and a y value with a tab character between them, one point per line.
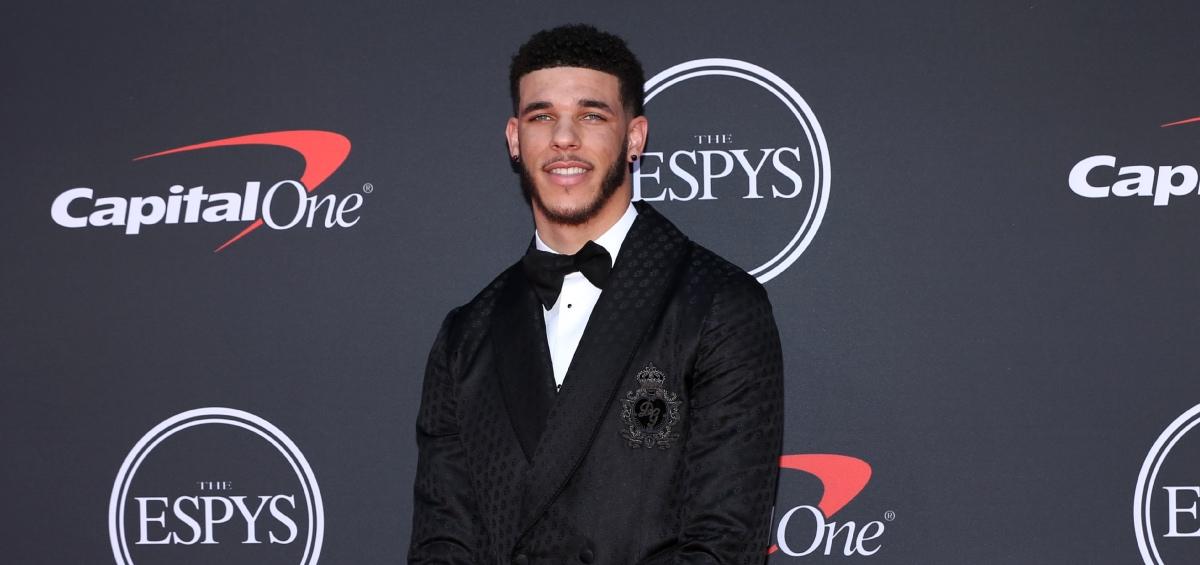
610	240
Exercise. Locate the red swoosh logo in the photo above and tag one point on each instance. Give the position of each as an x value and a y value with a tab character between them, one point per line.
842	477
1181	122
323	153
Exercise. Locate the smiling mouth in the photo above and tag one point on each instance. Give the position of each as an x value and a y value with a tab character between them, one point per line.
567	166
568	171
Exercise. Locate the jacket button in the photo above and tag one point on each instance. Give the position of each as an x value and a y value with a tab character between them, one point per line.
586	555
520	559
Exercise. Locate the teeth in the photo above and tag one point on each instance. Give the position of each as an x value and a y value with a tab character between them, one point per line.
568	171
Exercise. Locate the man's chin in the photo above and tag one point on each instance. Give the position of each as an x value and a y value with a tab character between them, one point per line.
572	206
568	216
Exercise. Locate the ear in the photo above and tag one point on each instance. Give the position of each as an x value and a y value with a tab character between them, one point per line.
638	129
514	142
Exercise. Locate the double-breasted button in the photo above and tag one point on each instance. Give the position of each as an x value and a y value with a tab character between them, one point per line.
586	555
521	559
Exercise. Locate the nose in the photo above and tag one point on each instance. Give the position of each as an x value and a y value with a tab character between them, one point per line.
565	137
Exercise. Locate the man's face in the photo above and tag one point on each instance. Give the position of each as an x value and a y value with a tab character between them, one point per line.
572	135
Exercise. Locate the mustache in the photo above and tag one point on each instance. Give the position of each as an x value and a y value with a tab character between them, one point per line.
565	158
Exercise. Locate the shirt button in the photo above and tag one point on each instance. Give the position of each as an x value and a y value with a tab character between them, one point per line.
586	556
569	305
520	559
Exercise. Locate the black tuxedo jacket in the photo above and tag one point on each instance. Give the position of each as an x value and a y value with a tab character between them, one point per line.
661	447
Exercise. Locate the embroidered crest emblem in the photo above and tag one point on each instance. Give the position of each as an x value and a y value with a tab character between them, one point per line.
650	412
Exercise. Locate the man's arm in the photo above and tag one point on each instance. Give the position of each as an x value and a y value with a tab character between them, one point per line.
733	446
445	529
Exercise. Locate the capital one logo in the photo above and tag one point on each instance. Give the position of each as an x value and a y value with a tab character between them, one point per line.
215	485
323	152
738	159
1102	176
1166	502
807	530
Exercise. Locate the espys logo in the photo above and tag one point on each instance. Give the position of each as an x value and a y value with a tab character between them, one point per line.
809	530
323	152
739	144
1094	177
1166	502
215	485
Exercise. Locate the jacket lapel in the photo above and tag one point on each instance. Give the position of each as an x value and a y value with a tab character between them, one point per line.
518	332
636	291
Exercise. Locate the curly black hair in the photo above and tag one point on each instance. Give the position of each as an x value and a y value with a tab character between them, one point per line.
580	45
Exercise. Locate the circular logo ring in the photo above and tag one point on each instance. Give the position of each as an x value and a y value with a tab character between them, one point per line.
230	417
803	114
1149	475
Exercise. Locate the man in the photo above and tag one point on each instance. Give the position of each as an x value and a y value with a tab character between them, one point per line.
614	397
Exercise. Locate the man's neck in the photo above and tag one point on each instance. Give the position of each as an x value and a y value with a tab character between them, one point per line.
569	239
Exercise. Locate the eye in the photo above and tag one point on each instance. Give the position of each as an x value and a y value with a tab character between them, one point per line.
540	118
593	116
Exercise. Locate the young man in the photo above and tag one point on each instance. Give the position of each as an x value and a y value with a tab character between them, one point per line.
616	395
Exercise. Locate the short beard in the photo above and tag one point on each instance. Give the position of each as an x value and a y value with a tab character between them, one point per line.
612	180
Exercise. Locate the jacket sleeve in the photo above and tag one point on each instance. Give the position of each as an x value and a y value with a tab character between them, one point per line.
445	528
733	446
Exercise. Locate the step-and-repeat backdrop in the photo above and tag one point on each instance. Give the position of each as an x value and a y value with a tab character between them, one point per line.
230	232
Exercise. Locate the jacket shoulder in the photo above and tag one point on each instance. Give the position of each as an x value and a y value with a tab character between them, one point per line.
715	275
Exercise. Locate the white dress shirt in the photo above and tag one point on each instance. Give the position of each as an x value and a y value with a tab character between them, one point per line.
566	320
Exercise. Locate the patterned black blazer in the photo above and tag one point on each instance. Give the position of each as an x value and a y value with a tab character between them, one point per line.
661	447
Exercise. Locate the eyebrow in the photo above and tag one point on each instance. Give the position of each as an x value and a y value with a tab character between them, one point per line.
535	106
584	103
598	104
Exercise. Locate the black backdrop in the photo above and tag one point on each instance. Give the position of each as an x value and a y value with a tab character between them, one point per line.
1001	351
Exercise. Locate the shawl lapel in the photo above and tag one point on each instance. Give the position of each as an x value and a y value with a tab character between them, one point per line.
646	269
518	332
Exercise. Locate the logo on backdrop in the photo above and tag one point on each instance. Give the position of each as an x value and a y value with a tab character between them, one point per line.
808	530
215	485
1102	176
1166	502
740	162
282	205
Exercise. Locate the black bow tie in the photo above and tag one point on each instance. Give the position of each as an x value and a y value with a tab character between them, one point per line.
546	270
